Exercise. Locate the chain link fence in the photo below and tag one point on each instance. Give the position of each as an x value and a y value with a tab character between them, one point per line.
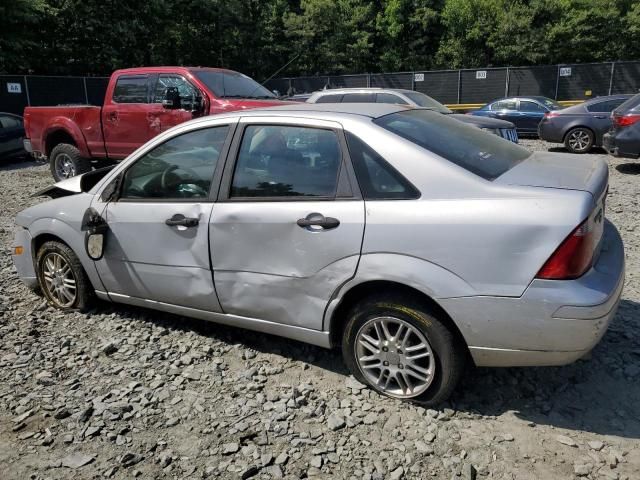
467	86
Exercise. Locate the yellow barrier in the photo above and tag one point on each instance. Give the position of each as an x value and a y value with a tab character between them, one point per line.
475	106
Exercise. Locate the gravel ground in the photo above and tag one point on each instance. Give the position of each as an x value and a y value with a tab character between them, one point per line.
122	392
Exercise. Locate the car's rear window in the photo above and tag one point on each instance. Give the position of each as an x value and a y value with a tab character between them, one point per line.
633	104
479	152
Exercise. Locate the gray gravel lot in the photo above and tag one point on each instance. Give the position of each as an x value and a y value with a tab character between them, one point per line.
123	392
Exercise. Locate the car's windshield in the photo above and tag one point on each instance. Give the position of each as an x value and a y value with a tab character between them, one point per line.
550	104
482	153
632	104
426	101
232	84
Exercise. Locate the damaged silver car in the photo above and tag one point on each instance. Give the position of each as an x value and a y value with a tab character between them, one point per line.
409	240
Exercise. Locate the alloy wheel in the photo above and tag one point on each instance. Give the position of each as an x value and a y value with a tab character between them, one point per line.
59	280
579	140
395	357
65	167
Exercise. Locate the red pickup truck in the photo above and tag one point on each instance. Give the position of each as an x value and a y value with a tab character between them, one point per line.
139	104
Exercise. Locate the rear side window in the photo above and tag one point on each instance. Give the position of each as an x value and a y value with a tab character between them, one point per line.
527	106
287	161
389	98
9	122
359	98
330	99
487	156
605	107
504	105
131	90
377	179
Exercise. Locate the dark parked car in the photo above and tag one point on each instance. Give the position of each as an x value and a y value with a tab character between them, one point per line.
11	135
524	112
623	140
580	127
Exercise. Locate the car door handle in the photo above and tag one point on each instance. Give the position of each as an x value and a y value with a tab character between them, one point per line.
601	116
113	116
316	220
180	220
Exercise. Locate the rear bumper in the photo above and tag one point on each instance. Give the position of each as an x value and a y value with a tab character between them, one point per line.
621	144
549	133
27	145
554	322
24	261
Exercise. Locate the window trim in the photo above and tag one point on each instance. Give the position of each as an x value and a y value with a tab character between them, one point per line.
346	176
146	76
215	179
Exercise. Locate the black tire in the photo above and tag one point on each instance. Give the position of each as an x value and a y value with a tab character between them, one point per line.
84	293
448	351
579	140
65	152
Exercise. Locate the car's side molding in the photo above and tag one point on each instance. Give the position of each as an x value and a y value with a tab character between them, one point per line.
306	335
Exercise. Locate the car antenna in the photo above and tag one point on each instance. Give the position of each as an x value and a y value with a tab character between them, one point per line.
276	72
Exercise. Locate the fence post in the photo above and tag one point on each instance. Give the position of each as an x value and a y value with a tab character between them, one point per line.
368	80
506	84
613	69
557	82
86	95
413	80
459	84
26	90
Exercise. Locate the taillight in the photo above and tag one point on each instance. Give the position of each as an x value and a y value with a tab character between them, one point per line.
625	120
573	257
550	115
26	123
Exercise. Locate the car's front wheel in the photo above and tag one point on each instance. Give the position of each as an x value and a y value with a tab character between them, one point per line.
62	279
400	348
579	140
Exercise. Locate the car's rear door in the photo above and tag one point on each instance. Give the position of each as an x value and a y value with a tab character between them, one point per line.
126	119
287	229
157	244
507	109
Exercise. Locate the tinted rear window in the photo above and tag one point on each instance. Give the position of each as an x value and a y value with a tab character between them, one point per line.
479	152
632	104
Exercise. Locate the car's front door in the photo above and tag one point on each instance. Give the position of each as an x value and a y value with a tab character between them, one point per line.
289	222
157	244
164	118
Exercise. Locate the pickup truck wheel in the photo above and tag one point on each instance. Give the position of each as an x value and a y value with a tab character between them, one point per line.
66	162
401	349
62	279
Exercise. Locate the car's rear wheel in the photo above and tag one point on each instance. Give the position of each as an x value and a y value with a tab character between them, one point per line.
62	279
66	161
400	348
579	140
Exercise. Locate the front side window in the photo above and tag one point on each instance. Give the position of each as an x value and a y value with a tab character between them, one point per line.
426	101
359	98
377	179
188	93
287	161
527	106
487	156
131	90
9	122
330	99
180	168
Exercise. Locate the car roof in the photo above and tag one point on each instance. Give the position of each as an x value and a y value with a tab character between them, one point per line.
168	69
604	98
371	110
338	91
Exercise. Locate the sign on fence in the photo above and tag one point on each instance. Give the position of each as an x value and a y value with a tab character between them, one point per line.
418	77
481	75
14	88
565	71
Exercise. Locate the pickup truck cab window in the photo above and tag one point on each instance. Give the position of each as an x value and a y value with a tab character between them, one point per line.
180	168
188	93
287	161
131	89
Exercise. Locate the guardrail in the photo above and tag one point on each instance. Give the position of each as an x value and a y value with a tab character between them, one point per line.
475	106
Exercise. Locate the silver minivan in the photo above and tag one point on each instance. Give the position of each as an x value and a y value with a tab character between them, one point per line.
411	241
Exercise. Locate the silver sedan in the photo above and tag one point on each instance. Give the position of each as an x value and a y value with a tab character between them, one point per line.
411	241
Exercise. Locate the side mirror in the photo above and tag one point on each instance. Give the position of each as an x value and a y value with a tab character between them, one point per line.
171	98
96	228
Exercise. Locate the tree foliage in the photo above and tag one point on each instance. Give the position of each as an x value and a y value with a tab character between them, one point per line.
326	36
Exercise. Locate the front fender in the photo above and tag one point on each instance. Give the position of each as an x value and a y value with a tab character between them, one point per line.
69	127
428	278
70	235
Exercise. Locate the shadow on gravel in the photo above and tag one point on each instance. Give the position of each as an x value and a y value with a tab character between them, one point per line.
18	164
600	394
629	168
594	150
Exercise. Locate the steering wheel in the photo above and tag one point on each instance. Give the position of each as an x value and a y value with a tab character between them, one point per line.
171	168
